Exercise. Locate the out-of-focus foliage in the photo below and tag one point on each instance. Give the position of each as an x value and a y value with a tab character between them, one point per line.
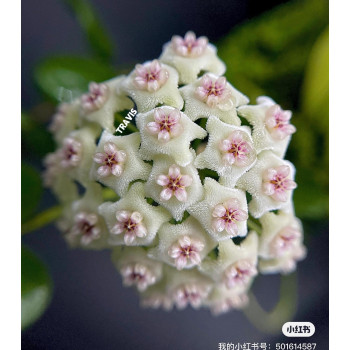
35	288
100	42
284	54
65	78
31	190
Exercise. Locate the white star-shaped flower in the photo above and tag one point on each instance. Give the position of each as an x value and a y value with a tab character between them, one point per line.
183	246
189	63
270	182
271	127
166	130
116	162
236	265
131	220
136	268
175	188
81	223
223	212
229	152
102	101
151	84
213	95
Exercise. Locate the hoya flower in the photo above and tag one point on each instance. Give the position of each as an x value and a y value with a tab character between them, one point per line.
136	268
65	120
183	246
76	153
151	84
116	162
270	182
189	288
131	220
212	95
156	297
82	225
166	130
199	56
189	46
223	212
229	152
175	188
222	300
281	234
271	125
102	101
235	266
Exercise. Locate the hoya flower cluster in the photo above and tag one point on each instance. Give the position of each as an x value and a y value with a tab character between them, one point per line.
195	203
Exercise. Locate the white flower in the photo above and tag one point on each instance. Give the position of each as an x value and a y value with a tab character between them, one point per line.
235	266
223	211
151	84
65	120
183	246
212	95
131	220
166	130
222	300
188	62
175	188
188	287
103	101
136	268
83	226
270	182
271	127
117	162
229	151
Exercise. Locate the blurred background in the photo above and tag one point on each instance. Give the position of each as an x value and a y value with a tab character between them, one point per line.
75	299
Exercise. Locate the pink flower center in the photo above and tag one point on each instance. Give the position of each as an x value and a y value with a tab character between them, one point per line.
278	122
189	45
95	98
137	274
85	225
285	241
150	76
239	273
70	153
277	184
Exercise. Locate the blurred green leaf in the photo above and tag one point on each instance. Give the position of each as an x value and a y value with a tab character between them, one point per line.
35	137
65	78
315	93
99	40
31	190
35	288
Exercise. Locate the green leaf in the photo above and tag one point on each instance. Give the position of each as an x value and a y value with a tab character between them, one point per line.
315	93
36	288
35	137
100	42
67	77
31	190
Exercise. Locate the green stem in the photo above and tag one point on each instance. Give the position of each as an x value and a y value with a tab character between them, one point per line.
284	311
42	219
254	226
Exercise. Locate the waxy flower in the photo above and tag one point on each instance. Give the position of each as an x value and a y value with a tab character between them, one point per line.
131	220
175	188
229	151
270	182
183	246
70	153
190	56
81	222
151	84
212	95
166	130
189	46
117	163
103	101
271	127
150	76
223	211
136	268
235	266
222	300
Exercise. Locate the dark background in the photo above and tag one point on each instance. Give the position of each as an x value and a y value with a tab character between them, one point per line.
90	309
